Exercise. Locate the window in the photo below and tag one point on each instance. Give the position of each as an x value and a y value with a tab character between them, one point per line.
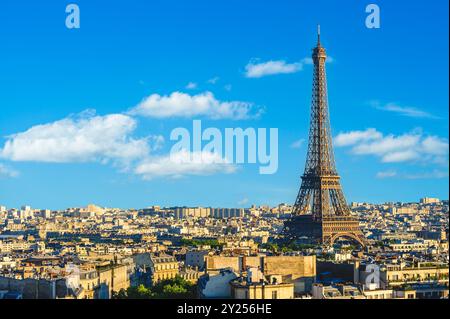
274	294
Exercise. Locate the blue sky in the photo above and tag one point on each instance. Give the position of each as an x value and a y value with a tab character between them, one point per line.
388	95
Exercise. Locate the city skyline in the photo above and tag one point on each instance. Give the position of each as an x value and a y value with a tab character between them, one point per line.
215	157
390	127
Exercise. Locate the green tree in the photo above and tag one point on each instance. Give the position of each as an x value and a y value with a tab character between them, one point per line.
139	292
176	288
121	294
200	242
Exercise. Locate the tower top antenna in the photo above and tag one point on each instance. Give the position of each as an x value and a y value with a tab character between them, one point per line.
318	33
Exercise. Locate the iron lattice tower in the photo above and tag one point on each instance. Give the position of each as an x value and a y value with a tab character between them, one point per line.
320	209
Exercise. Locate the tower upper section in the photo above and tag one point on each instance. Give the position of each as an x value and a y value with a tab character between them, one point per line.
320	159
319	52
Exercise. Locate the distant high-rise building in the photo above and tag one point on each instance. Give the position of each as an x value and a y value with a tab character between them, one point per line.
429	200
202	212
46	213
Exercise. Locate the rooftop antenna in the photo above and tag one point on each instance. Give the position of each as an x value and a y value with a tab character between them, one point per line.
318	34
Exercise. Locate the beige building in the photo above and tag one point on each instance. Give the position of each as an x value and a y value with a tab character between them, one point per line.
163	267
320	291
89	280
407	247
196	258
404	210
397	275
429	200
191	274
245	290
112	278
202	212
379	294
299	270
257	286
11	245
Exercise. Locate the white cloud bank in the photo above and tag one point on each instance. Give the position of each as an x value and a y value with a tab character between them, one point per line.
82	138
184	163
180	104
87	137
412	146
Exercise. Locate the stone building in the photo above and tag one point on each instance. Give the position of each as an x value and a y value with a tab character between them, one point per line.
299	270
163	267
256	286
111	278
398	275
216	285
320	291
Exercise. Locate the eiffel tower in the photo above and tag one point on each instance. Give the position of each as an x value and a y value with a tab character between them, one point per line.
321	212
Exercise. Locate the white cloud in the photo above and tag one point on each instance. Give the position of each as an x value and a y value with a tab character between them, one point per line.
391	148
184	163
243	201
435	145
213	80
228	87
310	61
298	143
400	156
7	171
90	138
436	174
156	142
191	86
87	137
350	138
412	146
257	70
184	105
403	110
81	138
386	174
